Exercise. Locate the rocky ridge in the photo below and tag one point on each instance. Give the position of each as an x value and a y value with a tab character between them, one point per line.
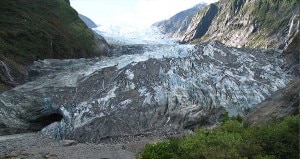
177	25
263	24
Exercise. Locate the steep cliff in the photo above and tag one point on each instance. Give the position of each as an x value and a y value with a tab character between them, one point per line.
32	30
177	25
245	23
259	24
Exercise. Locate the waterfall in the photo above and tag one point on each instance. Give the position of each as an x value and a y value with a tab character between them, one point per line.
6	72
293	30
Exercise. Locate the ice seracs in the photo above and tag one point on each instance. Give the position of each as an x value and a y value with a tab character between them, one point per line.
165	87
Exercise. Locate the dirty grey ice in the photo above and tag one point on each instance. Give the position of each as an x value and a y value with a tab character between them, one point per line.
158	87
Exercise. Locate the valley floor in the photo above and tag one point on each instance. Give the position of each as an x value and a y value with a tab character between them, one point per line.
34	145
37	146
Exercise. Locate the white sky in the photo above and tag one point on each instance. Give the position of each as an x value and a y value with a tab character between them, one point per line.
134	12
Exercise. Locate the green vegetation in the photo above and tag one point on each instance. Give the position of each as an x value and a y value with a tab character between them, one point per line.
31	30
274	14
232	139
272	17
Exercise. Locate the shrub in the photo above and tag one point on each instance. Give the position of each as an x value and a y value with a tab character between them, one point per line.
232	140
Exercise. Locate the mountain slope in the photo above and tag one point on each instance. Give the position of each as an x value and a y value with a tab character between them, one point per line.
259	24
32	30
177	25
245	23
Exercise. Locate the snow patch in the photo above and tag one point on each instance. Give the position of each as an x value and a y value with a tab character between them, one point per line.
142	91
110	94
130	74
148	99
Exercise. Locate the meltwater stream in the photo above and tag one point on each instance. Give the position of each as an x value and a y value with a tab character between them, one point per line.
158	87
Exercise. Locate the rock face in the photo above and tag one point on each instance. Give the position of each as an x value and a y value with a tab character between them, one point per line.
282	103
199	28
245	23
176	26
10	75
291	54
166	88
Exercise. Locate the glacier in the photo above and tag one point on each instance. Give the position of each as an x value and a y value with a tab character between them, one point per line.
126	34
160	86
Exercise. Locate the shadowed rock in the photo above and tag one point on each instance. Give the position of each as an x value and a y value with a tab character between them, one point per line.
199	29
282	103
177	25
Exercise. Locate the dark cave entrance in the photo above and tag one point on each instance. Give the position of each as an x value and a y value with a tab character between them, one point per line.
43	121
34	125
